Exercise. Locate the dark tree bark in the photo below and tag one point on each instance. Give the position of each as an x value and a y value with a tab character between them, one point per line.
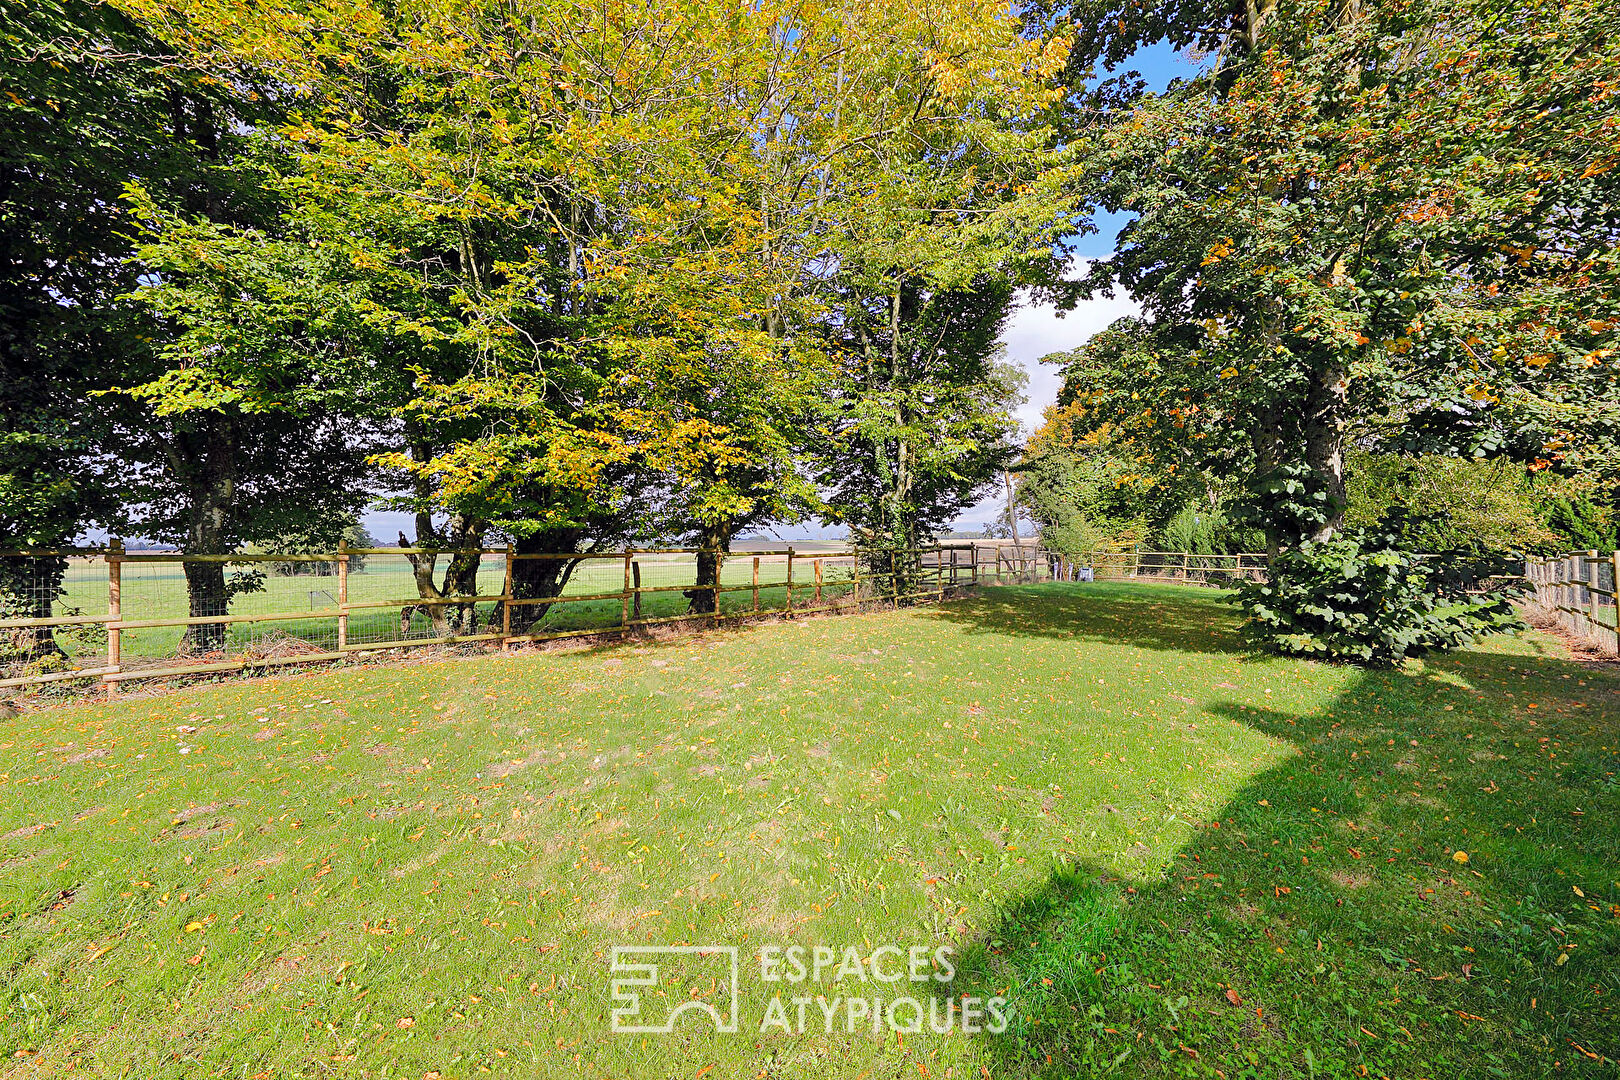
203	458
541	579
713	542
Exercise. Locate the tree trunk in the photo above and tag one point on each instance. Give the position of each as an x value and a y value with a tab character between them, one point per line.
1012	519
461	576
713	542
204	460
541	579
205	596
29	586
1326	408
463	540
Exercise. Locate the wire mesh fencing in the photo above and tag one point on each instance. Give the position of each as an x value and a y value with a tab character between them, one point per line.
123	615
1578	592
53	616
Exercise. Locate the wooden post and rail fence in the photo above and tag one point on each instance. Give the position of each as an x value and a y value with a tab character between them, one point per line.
1578	592
152	628
152	625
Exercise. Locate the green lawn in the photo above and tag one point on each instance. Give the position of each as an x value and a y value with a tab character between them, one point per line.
1170	857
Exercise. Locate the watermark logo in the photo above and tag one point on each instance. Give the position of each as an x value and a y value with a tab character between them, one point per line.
641	969
886	989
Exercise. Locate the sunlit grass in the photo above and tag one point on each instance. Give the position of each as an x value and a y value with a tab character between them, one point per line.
402	869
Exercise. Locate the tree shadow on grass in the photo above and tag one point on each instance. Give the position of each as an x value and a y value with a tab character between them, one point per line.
1161	617
1327	923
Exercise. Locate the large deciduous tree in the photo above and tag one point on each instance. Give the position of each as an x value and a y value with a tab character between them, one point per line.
596	263
1366	210
93	102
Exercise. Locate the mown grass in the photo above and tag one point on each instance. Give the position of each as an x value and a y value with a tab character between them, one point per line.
1171	857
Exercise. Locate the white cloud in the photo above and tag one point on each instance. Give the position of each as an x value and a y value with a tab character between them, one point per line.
1038	330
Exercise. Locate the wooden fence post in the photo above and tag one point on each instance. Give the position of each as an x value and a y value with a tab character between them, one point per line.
817	565
506	605
894	577
343	594
115	611
756	583
856	561
624	600
635	602
719	564
790	582
1572	592
1614	601
1589	565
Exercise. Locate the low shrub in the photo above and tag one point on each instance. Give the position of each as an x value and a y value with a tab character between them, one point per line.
1361	598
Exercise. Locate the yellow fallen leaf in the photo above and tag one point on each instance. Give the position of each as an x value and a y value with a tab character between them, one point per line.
193	927
1563	958
1578	892
1459	856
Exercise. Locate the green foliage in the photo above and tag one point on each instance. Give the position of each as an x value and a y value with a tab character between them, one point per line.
1449	503
1081	498
1361	211
1362	597
1582	524
908	439
1088	489
86	104
1204	530
625	274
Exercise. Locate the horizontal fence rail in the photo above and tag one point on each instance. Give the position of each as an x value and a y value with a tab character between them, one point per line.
115	616
1577	591
1181	566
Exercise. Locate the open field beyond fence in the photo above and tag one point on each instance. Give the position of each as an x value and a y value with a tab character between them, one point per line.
118	616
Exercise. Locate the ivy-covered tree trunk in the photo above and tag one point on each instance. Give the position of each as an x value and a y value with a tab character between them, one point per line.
29	586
